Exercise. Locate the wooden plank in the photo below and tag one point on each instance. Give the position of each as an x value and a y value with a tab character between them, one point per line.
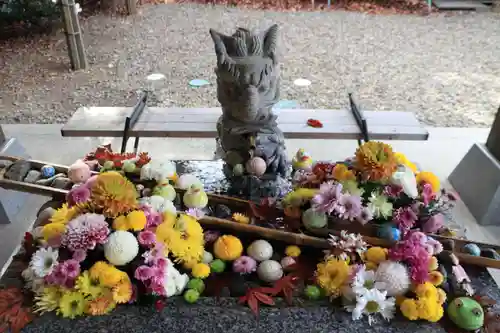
200	123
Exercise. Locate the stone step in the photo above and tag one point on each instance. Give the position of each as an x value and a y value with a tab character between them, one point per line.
462	5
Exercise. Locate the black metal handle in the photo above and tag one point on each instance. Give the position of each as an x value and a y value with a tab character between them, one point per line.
360	119
131	120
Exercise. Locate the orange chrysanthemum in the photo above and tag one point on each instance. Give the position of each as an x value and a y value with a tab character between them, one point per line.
100	306
376	161
114	194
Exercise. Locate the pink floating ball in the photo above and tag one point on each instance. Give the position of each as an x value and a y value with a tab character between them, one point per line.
256	166
287	263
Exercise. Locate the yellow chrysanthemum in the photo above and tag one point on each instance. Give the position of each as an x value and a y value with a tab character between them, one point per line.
409	309
436	278
72	304
100	306
200	271
97	269
112	276
376	254
437	314
48	300
371	266
403	160
120	223
136	220
331	275
341	173
183	237
427	290
88	286
433	264
53	230
122	292
241	218
441	296
428	309
429	178
113	194
65	214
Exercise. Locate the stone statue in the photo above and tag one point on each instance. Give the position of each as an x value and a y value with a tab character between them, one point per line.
247	88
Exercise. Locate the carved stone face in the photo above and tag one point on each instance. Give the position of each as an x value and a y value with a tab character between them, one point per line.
247	73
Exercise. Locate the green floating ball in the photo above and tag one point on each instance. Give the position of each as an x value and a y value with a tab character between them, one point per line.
128	166
313	292
313	219
217	266
466	313
108	165
191	296
196	284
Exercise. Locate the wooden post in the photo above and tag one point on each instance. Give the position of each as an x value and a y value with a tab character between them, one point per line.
496	6
76	48
131	7
493	141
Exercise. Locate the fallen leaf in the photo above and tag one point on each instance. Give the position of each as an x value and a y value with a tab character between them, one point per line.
314	123
13	314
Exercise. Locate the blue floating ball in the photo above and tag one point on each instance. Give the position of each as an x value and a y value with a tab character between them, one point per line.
48	171
472	249
389	232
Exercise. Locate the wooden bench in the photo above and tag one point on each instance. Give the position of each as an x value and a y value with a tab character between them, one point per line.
154	122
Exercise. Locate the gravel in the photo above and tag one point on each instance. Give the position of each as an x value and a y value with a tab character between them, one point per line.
443	67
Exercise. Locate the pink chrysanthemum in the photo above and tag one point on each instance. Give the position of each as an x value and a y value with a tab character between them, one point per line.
78	195
244	265
85	232
143	273
393	191
157	288
427	194
146	238
405	218
58	276
161	263
157	273
71	268
153	255
153	218
79	255
412	251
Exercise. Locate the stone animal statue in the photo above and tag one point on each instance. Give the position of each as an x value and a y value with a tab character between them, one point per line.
247	88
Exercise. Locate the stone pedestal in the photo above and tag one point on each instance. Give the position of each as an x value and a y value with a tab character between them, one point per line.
11	202
477	180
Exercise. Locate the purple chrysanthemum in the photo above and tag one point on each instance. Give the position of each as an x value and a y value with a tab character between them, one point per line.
393	191
78	195
365	216
146	238
404	218
85	232
351	207
195	212
327	199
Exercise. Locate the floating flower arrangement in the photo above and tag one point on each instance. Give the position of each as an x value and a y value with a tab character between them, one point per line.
119	239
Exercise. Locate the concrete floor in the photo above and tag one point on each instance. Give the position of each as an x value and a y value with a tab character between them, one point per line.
440	154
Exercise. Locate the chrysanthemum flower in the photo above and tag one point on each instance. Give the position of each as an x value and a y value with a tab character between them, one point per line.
85	232
65	214
100	306
88	286
44	261
146	238
122	292
52	230
72	304
331	275
47	300
427	177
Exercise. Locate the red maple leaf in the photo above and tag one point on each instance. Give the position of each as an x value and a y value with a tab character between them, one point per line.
255	296
286	285
314	123
13	314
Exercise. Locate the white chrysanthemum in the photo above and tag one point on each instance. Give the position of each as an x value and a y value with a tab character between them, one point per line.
379	205
121	248
159	204
158	170
43	261
363	280
186	180
392	277
370	303
174	281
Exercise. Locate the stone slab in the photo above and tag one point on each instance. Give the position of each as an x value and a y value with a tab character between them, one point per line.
225	315
460	5
477	180
11	202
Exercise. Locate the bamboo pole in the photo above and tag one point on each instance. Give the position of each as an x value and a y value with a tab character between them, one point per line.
70	35
80	47
2	136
